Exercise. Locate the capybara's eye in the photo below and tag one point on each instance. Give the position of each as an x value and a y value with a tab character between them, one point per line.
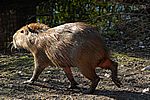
22	31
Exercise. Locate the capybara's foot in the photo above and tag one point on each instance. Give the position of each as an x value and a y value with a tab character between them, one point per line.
89	91
117	82
28	82
92	87
74	85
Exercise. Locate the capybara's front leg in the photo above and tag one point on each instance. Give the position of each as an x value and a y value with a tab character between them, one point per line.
114	75
37	71
69	75
38	68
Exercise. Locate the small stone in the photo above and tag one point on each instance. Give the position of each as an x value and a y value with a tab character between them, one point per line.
121	65
131	48
19	72
44	79
147	38
10	85
106	75
145	90
141	46
48	71
146	68
140	43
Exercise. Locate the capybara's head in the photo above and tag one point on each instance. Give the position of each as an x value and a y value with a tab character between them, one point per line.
25	37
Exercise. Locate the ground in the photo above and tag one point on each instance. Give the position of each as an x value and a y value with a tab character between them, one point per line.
132	56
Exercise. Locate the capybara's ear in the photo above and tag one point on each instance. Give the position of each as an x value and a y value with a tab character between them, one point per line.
32	30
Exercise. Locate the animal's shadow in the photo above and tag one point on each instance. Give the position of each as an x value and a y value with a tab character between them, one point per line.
117	95
123	95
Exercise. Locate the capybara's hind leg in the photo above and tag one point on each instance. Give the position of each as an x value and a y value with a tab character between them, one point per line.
109	64
114	75
69	75
91	75
94	84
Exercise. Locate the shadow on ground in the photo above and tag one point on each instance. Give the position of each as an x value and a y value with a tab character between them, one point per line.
123	95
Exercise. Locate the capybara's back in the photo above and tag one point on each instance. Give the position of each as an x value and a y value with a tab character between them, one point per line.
70	45
75	44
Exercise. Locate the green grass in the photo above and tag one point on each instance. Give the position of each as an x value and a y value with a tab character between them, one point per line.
123	58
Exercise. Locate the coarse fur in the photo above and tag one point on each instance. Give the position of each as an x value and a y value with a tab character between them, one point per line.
68	45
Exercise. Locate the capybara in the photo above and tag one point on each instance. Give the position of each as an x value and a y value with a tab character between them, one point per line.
69	45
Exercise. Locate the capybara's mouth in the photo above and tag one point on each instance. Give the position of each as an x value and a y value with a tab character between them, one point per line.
13	46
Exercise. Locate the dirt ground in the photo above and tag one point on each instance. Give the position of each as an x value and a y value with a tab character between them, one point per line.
53	84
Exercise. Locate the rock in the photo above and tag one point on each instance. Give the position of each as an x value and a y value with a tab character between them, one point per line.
44	79
145	90
106	75
146	68
142	46
140	43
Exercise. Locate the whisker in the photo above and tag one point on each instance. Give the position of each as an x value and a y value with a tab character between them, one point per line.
12	47
11	43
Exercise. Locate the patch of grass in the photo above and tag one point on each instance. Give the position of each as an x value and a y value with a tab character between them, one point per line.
125	59
11	65
119	56
11	61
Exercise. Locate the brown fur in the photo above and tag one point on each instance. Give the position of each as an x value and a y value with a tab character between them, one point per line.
68	45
